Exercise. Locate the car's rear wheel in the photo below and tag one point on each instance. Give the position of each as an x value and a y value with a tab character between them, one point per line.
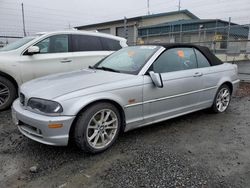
8	93
97	128
222	99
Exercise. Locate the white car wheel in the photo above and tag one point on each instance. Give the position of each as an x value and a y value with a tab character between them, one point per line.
7	93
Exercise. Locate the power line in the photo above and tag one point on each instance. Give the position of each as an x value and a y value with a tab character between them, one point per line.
105	15
56	21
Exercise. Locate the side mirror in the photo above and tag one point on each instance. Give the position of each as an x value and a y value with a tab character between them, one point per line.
156	78
33	50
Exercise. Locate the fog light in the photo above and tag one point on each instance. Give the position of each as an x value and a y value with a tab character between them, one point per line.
55	126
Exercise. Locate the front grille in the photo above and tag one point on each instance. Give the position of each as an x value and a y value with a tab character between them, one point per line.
22	98
30	129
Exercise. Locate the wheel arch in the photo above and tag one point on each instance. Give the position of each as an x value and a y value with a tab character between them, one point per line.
9	77
229	84
113	102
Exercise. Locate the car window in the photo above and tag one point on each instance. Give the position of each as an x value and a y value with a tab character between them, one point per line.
110	44
86	43
17	44
54	44
202	60
44	45
128	60
175	59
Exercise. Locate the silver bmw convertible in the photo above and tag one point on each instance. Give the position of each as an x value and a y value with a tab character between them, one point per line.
134	87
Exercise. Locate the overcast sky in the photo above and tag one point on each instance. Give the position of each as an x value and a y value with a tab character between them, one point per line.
47	15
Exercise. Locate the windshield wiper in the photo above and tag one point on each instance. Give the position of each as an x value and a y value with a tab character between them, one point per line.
91	67
106	69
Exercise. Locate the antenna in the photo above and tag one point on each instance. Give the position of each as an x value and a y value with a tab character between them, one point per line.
179	5
148	7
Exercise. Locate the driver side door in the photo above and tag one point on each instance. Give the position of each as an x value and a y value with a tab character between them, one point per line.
181	85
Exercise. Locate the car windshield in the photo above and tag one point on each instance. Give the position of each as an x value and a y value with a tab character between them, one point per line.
128	60
17	44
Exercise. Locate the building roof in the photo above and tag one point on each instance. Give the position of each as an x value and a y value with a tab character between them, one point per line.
187	12
191	21
192	16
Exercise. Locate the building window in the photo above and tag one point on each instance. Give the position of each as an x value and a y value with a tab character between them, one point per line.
107	30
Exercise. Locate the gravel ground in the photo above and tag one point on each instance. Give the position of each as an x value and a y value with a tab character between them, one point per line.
196	150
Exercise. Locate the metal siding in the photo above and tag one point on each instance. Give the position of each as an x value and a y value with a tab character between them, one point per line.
130	34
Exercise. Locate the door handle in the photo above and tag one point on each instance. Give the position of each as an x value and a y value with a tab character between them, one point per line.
198	74
65	60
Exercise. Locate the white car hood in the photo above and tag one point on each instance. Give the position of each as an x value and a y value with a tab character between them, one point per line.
50	87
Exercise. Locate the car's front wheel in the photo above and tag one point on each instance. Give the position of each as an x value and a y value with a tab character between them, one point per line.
97	127
222	99
8	93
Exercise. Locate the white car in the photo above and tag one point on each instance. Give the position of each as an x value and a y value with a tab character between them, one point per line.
49	53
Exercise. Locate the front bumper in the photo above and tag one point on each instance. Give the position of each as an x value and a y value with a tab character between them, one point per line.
35	126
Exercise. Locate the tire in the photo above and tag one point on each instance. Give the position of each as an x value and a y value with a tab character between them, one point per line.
92	133
8	93
221	102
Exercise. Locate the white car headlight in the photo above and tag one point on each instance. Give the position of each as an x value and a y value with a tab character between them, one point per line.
45	106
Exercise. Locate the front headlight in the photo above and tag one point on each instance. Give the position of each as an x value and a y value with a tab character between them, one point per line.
45	106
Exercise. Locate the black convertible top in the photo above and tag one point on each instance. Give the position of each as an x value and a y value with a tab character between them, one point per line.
213	60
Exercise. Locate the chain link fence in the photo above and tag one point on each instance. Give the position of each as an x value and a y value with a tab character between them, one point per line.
229	43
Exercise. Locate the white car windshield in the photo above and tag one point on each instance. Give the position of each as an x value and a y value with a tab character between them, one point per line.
127	60
17	44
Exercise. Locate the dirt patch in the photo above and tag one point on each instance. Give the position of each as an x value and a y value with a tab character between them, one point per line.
244	90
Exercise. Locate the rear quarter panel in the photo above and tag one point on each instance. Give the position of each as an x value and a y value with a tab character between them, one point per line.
215	76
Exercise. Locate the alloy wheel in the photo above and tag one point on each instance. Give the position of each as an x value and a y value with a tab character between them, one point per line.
4	94
223	99
102	128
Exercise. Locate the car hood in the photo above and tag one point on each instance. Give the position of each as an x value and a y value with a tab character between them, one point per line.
8	53
51	87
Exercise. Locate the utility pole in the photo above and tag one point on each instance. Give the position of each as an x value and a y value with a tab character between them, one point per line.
200	28
248	41
179	5
228	35
125	28
24	31
215	35
148	7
